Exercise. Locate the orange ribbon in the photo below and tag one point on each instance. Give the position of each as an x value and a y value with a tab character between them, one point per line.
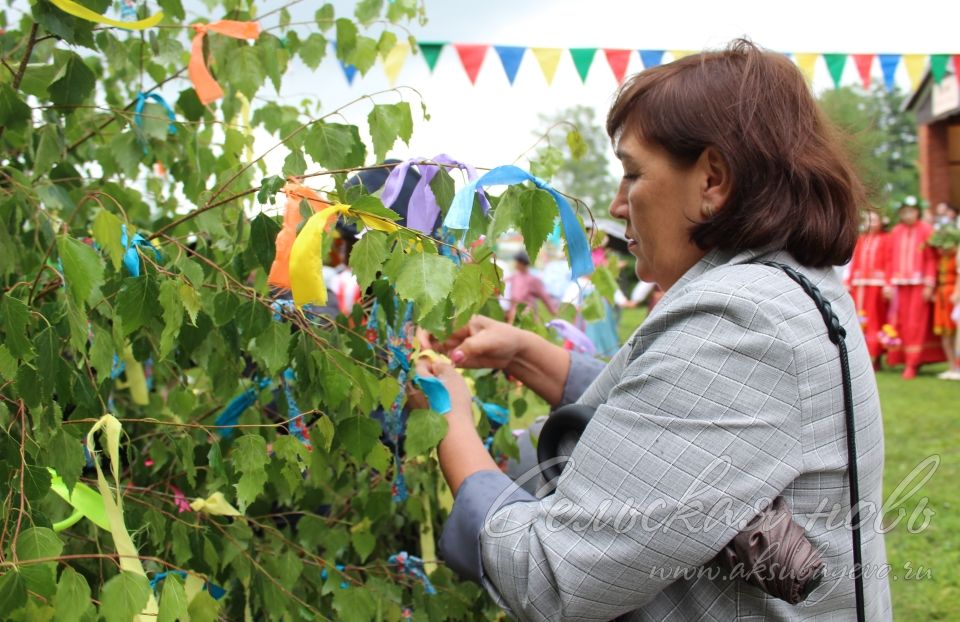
280	270
207	88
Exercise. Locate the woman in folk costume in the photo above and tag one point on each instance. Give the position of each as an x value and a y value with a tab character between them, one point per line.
911	282
866	279
946	239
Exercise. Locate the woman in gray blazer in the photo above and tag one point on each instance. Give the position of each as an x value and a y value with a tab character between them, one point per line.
727	396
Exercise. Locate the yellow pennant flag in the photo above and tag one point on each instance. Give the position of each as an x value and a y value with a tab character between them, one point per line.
807	62
394	61
678	54
915	64
548	58
78	10
113	506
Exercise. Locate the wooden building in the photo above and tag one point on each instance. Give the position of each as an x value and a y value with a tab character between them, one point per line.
937	108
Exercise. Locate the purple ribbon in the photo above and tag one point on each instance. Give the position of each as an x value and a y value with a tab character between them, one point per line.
423	210
574	335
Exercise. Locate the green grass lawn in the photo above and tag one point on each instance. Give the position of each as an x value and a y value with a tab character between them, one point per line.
921	419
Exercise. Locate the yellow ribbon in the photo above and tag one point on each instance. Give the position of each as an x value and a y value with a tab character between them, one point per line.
136	379
216	504
85	501
113	506
306	260
245	122
78	10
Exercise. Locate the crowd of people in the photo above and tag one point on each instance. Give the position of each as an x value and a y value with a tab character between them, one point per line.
903	282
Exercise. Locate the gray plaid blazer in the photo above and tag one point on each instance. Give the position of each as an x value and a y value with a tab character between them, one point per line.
727	396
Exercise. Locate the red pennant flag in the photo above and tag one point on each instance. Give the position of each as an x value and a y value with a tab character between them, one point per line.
956	67
618	60
864	62
471	56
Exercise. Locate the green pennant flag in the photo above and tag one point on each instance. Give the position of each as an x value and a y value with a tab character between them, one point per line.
938	66
431	52
582	59
836	63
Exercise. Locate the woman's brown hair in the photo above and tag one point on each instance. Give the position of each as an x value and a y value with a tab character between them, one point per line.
794	187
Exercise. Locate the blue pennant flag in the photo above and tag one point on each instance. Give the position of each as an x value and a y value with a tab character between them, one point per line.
888	63
651	58
510	57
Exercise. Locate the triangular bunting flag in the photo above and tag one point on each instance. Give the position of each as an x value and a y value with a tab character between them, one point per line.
678	54
651	58
618	60
836	64
471	57
510	57
938	66
582	59
349	71
888	63
548	58
393	63
863	62
915	63
956	67
807	62
431	52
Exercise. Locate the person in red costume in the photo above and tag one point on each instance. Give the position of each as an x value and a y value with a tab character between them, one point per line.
866	279
911	281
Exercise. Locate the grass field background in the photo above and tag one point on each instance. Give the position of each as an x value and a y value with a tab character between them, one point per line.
921	419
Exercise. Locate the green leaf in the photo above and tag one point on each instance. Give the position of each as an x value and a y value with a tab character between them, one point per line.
293	453
172	307
16	320
75	85
322	433
191	301
593	310
263	236
538	211
367	11
354	605
13	591
346	38
64	454
272	346
425	279
425	430
363	541
576	144
603	280
294	164
173	600
82	269
335	146
368	256
313	49
124	596
358	435
49	149
14	112
203	608
137	302
108	233
249	456
8	363
73	596
380	457
474	284
387	123
38	543
243	70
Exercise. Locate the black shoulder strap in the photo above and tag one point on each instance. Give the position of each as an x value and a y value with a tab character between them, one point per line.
837	334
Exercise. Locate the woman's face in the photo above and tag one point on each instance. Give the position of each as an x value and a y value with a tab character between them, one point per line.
874	222
659	201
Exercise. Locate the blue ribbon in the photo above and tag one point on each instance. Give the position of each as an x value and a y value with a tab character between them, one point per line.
157	97
459	215
413	566
343	584
215	590
131	258
231	414
495	412
436	393
295	426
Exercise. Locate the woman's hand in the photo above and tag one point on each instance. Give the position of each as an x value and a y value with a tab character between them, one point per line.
461	401
484	344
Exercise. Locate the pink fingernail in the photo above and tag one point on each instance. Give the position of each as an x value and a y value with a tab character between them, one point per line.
458	356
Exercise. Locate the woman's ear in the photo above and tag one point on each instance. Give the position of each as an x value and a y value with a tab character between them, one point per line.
717	181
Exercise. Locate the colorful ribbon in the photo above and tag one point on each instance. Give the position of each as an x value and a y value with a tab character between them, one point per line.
85	501
215	590
113	506
495	412
422	209
459	215
215	505
229	416
296	426
580	341
157	97
206	87
78	10
412	565
280	269
131	258
436	393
